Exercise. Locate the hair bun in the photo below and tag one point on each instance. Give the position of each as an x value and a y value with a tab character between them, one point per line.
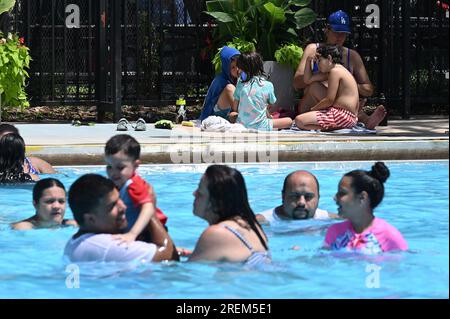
380	172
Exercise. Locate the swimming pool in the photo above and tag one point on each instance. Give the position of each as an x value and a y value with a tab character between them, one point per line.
416	202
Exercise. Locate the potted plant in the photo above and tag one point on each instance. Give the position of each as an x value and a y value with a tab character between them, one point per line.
267	23
14	59
281	73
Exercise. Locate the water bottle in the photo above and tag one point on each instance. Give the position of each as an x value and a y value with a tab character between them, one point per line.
181	102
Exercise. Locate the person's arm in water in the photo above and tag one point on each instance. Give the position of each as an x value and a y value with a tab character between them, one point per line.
299	81
261	219
42	166
365	87
333	85
166	249
22	225
145	215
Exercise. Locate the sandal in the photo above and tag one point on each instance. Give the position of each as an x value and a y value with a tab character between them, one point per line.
140	125
122	125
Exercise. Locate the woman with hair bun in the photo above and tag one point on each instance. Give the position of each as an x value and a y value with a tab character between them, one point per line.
358	194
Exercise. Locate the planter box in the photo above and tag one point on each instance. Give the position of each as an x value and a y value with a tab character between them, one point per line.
281	77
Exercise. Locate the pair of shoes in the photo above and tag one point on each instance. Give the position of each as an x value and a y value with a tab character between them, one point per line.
123	125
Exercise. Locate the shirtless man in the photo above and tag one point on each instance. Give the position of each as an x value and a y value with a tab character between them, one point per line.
339	108
335	34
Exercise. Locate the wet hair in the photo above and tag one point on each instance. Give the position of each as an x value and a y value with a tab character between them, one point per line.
86	193
290	175
12	158
331	50
44	184
228	195
8	128
371	182
251	63
125	143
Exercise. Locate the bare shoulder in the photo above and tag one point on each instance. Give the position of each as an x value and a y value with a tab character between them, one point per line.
355	57
22	225
214	233
42	166
230	88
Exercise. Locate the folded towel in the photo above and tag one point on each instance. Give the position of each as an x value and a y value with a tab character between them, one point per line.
359	128
218	124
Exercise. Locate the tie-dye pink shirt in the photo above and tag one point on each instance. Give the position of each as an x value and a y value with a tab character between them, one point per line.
379	237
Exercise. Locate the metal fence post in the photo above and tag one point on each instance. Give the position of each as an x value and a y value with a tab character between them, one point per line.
116	69
100	74
406	98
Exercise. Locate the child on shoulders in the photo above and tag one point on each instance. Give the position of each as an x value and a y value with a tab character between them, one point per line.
122	158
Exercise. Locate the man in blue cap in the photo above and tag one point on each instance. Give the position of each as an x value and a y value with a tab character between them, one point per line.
338	27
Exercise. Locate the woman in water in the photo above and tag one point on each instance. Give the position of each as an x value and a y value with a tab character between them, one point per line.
12	158
49	201
33	165
358	194
233	234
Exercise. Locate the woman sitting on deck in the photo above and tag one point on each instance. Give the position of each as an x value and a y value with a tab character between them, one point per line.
233	235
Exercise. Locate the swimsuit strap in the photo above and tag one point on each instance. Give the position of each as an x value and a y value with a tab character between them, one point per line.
31	169
348	60
238	235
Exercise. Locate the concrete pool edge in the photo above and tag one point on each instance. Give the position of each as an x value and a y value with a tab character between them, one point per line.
283	151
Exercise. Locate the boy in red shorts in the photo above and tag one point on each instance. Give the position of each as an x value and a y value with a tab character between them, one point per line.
339	108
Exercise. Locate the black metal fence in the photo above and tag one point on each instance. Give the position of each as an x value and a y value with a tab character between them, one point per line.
407	56
147	52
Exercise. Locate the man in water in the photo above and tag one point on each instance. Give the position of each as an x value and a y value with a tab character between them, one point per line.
98	209
300	199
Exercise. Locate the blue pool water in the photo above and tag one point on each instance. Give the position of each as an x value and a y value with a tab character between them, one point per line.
416	202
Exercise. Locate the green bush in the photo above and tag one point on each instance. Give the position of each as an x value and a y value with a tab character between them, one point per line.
241	45
14	59
290	55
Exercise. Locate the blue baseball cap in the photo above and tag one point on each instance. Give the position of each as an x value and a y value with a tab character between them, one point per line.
339	22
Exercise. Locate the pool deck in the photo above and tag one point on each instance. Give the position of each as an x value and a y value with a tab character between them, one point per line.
414	139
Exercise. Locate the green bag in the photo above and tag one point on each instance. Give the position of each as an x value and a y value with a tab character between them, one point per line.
164	124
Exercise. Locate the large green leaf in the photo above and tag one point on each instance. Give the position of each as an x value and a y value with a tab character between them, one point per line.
274	13
219	5
305	17
300	3
221	16
6	5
